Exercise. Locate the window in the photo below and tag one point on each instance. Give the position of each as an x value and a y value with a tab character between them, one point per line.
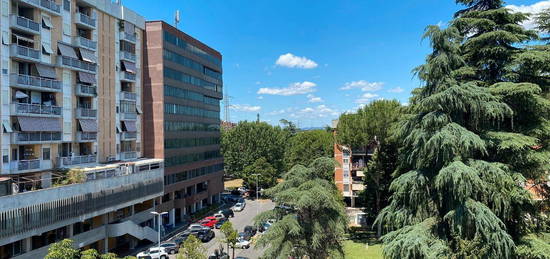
346	187
67	5
5	157
5	38
46	154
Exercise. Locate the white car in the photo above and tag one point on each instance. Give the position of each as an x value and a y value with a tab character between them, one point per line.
153	253
243	244
239	207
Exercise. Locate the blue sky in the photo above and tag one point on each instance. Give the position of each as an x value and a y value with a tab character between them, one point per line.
308	60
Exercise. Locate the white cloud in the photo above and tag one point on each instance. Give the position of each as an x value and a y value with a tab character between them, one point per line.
314	99
289	60
245	108
293	89
530	9
282	111
363	85
260	97
319	111
396	90
365	98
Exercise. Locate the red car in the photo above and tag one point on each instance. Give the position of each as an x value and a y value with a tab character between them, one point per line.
209	222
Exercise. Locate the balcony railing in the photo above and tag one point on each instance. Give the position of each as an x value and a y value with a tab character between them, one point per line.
129	135
85	43
125	55
46	5
86	90
128	96
84	113
74	63
128	37
34	109
25	53
23	165
24	24
34	82
127	155
87	136
129	116
77	160
85	20
36	137
128	76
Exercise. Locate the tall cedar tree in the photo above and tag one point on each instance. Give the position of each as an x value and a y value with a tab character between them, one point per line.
479	128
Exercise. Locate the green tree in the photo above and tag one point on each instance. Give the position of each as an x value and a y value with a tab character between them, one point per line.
63	249
249	141
230	235
260	172
191	249
473	135
289	126
306	146
89	254
316	224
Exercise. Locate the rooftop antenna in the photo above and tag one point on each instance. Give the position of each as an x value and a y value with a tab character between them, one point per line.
177	18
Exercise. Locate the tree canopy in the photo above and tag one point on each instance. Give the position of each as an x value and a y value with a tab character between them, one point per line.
306	146
249	141
477	129
315	225
191	249
260	172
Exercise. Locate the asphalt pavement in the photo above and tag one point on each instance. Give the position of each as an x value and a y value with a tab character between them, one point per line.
241	219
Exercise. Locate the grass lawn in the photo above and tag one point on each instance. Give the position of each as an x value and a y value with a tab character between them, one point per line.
236	183
358	249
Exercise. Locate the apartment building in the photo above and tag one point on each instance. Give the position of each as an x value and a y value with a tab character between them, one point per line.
182	93
71	138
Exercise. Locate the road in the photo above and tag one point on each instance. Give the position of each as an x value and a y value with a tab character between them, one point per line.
241	219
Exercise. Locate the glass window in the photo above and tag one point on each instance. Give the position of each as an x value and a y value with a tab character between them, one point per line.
46	154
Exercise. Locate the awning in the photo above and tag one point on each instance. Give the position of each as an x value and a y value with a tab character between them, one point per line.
47	48
46	71
129	28
37	124
7	126
88	125
87	55
358	187
86	78
66	51
130	126
20	95
47	21
118	130
138	110
129	67
22	38
360	173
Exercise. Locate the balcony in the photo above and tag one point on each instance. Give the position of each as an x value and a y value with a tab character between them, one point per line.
45	5
69	204
85	21
128	155
76	160
24	53
84	113
76	64
85	43
128	37
128	116
128	96
24	24
125	55
86	136
128	135
127	77
35	137
35	110
86	90
27	166
35	83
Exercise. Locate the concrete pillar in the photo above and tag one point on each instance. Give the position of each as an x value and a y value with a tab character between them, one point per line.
70	230
210	200
172	217
46	179
27	244
132	210
194	207
106	245
184	211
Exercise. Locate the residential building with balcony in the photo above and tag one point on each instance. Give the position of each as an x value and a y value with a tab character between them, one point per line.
182	93
71	99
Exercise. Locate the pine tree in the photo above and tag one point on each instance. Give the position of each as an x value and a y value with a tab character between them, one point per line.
478	130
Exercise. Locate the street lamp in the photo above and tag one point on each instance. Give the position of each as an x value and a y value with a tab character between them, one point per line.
257	198
159	220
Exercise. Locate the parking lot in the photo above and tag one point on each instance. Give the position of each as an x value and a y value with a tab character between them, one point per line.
241	219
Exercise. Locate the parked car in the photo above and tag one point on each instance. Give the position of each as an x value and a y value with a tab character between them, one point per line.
245	235
220	223
205	235
242	190
195	227
218	255
227	213
209	222
242	243
153	253
265	226
250	229
170	247
239	207
219	216
241	257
